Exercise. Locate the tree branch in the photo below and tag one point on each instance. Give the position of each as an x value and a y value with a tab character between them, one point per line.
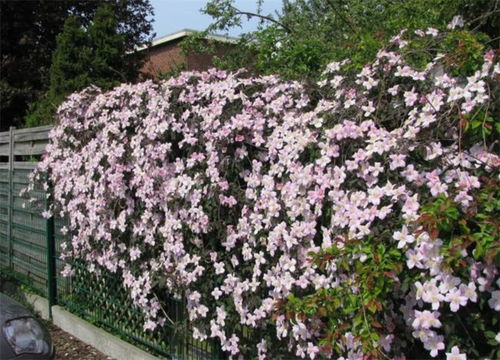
264	17
340	15
481	19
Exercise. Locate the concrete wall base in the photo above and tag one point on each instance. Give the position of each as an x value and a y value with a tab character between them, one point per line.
40	305
101	340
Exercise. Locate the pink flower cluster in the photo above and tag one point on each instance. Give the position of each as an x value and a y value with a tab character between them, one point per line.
216	187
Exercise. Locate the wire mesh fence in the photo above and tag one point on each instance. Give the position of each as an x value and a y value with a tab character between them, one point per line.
102	300
30	246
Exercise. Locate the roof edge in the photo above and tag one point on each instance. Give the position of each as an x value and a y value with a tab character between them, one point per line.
186	32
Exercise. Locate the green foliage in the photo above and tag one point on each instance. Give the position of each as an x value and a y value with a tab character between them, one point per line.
29	30
308	34
107	49
464	52
83	57
477	230
42	112
305	56
359	304
69	70
174	71
365	303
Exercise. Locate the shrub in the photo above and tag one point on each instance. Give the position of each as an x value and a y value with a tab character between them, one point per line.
355	219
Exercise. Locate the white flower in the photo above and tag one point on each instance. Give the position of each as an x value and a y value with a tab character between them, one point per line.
425	319
410	97
469	291
403	237
434	344
432	31
67	271
456	299
494	302
432	295
455	354
457	21
449	282
216	293
135	253
368	109
219	268
393	90
414	259
149	325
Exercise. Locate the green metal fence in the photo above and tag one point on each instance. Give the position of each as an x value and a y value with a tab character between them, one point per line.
30	247
103	301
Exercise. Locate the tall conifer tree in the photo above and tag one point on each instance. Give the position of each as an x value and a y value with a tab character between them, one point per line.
28	40
108	57
83	57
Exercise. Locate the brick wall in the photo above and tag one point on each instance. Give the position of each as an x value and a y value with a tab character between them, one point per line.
167	57
163	58
196	61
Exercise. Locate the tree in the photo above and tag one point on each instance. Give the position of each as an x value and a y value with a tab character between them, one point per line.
69	71
83	57
307	34
28	39
134	23
70	67
108	63
28	32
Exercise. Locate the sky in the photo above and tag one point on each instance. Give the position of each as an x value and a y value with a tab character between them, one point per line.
174	15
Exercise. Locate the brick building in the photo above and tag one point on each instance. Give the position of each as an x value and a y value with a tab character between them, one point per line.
165	54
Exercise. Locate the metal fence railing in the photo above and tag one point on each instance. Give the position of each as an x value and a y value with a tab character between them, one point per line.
103	301
30	249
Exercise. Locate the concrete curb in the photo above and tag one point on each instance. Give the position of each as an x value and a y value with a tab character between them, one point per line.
40	305
101	340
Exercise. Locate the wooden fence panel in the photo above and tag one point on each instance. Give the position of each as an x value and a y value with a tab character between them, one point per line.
23	231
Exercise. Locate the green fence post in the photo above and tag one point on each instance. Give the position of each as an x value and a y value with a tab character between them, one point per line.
10	203
218	353
51	259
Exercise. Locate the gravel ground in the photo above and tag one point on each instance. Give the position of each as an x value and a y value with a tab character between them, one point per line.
70	348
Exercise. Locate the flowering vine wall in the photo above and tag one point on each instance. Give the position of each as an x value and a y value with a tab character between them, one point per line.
229	190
